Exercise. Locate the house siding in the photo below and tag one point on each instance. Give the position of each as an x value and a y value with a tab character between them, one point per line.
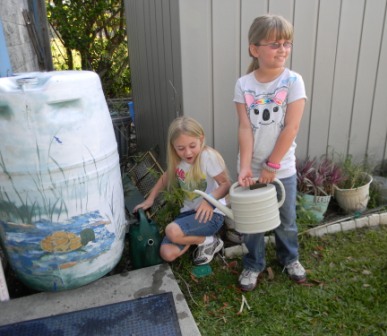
154	50
340	49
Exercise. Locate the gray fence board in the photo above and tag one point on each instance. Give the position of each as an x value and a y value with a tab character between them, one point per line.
196	59
345	74
284	8
226	58
322	89
376	148
306	15
366	74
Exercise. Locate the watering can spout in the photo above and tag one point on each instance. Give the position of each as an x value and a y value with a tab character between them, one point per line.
227	211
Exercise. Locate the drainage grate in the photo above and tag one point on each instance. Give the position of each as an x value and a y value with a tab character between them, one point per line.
152	315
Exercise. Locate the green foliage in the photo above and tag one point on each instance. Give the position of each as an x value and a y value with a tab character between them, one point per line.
355	174
95	31
375	196
173	202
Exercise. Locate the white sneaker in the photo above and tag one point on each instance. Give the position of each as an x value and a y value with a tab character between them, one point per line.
296	272
248	280
205	253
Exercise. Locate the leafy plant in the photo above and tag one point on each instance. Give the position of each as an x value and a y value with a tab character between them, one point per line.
317	176
173	201
354	174
91	35
375	196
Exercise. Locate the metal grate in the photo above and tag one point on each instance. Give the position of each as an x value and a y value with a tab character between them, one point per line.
144	176
152	315
123	125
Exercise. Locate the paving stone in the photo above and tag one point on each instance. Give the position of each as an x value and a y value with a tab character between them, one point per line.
374	220
361	222
318	231
383	218
334	228
348	225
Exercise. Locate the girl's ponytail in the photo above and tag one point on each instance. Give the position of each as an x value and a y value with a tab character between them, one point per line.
254	65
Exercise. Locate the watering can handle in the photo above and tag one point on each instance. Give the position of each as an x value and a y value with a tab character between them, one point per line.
259	185
283	194
142	218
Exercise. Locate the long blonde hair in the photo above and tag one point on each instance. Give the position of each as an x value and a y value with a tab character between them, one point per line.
190	127
266	27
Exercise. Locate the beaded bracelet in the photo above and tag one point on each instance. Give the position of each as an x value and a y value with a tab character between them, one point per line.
268	168
273	165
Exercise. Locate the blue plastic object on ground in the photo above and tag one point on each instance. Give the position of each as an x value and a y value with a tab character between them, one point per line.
202	271
131	110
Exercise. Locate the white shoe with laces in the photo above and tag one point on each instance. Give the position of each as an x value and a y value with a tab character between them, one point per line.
296	272
248	280
205	253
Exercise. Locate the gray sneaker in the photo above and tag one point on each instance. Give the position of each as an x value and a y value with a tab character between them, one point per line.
296	272
205	253
248	280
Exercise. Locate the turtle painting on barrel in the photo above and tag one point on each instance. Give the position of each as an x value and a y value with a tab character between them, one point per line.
64	241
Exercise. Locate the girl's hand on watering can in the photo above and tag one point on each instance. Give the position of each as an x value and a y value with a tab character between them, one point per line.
245	177
144	205
266	177
204	212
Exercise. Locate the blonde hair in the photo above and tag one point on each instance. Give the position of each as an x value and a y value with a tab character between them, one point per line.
268	27
190	127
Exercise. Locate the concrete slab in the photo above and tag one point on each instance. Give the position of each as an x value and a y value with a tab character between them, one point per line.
117	288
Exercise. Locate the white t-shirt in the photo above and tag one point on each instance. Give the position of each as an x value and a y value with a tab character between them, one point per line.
266	105
210	167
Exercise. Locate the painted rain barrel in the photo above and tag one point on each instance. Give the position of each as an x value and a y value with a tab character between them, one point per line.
62	212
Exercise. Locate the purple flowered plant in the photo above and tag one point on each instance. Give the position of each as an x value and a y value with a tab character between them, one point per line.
317	177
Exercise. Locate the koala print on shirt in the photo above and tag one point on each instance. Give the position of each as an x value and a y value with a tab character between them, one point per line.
266	109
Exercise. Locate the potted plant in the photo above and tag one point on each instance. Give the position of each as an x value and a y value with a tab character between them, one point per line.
316	180
352	193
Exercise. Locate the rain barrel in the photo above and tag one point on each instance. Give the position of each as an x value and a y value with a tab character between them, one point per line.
62	212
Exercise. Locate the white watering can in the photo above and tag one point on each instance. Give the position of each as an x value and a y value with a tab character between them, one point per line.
254	209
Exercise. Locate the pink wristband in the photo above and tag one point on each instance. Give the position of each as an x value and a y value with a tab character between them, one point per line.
273	165
268	168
